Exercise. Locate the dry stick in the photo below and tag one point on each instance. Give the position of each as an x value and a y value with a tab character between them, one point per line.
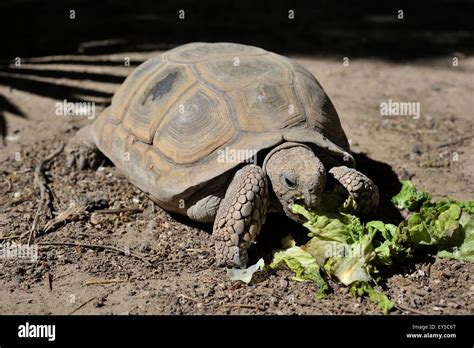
8	182
10	237
238	305
75	212
413	310
82	305
41	183
27	170
21	200
72	213
49	281
187	297
97	246
460	140
104	281
117	211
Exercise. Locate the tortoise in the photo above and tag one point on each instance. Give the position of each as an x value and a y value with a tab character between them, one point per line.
225	133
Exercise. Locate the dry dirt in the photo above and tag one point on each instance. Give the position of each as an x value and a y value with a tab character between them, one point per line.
434	151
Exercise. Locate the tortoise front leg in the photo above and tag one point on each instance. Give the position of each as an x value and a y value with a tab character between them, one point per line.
363	190
240	216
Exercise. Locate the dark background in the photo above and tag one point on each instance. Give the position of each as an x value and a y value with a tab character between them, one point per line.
342	28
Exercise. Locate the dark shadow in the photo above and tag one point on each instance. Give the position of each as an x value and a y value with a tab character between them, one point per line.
24	79
345	28
71	93
400	267
8	106
387	181
355	28
74	60
276	227
79	75
182	219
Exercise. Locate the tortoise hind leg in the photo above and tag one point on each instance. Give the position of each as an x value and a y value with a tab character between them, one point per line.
363	190
240	216
205	209
82	152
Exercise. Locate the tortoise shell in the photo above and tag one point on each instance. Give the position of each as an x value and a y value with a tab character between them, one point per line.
175	114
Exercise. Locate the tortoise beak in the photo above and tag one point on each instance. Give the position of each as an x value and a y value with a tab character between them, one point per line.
311	200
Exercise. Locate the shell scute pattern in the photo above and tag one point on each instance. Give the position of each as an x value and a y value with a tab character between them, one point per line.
174	114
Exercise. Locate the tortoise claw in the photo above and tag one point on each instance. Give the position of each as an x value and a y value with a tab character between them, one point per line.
363	190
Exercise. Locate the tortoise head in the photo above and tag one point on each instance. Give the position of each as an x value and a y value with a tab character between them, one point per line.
297	176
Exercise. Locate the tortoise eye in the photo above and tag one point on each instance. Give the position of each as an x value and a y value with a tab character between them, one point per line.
289	180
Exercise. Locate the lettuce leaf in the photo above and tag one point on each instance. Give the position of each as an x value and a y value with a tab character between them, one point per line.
245	275
464	251
409	197
303	265
360	289
348	251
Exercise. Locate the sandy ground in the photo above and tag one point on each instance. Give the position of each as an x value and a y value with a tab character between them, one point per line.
434	151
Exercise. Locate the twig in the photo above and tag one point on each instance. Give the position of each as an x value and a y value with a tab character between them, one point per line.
76	212
23	171
82	305
117	211
8	182
27	170
49	281
104	281
70	214
413	310
45	192
10	237
238	305
460	140
97	246
22	199
187	297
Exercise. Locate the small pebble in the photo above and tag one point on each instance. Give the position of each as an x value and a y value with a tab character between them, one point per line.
99	302
283	284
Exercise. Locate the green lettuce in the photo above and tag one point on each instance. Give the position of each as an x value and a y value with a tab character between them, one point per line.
304	266
349	252
409	197
360	289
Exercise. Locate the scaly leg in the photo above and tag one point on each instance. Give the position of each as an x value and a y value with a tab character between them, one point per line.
240	216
